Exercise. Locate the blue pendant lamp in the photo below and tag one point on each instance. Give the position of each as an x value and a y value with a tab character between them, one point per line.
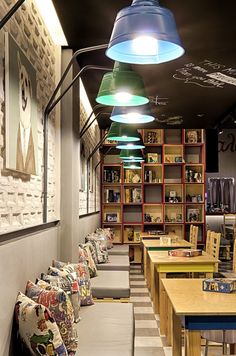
122	87
144	33
132	114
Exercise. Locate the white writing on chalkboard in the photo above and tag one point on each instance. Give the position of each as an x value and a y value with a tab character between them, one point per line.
204	74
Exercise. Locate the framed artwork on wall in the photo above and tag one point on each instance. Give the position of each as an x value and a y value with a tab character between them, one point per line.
21	110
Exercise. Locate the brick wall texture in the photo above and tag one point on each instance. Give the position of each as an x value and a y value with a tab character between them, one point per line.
21	195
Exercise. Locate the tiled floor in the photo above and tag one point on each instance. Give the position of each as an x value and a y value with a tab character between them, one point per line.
148	341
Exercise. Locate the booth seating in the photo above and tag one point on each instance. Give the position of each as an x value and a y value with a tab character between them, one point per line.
111	284
119	250
106	329
115	263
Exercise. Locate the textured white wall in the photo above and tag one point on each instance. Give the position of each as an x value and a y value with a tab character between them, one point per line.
21	195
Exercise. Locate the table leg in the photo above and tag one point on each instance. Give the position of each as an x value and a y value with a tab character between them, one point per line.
232	348
177	344
156	292
169	335
163	305
144	262
193	343
148	270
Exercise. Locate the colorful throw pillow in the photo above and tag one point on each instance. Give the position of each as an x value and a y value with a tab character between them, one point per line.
37	328
70	287
84	279
59	304
102	254
90	261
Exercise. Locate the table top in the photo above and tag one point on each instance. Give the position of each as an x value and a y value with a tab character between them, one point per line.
146	235
161	257
158	243
188	298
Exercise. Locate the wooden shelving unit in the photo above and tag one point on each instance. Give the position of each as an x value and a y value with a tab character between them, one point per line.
166	194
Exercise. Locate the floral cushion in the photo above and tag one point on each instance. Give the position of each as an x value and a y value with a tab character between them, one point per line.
84	279
37	328
106	235
59	304
71	288
90	261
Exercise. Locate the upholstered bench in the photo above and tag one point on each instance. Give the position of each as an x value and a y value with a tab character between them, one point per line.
116	263
111	284
119	250
106	329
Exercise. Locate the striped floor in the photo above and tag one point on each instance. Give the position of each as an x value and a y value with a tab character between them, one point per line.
148	341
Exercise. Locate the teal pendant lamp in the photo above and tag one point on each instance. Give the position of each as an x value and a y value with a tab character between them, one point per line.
132	114
144	33
122	133
134	165
131	145
130	155
122	87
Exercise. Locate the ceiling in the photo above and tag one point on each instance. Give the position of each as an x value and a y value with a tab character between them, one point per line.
181	92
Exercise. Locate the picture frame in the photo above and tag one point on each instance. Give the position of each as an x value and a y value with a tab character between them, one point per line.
178	159
112	217
152	158
193	215
21	108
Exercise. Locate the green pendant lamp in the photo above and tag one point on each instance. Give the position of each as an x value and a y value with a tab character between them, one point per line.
131	155
131	145
122	133
122	87
134	165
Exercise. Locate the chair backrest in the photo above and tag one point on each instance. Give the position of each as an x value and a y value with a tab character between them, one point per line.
193	237
213	243
234	258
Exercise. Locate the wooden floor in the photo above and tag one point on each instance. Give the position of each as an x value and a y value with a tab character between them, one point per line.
148	341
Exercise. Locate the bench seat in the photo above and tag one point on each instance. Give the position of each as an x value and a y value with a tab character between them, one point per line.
116	263
106	329
119	250
111	284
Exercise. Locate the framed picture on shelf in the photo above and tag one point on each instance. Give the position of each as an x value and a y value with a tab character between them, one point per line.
137	236
193	215
112	217
152	157
191	136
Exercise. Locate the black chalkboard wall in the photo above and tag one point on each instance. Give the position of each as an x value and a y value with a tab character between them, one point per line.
212	155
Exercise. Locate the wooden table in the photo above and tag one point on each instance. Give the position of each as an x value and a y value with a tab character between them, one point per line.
161	264
157	245
198	310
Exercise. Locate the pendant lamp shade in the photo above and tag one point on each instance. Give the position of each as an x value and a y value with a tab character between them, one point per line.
131	145
131	155
122	133
122	87
144	33
132	114
133	160
134	165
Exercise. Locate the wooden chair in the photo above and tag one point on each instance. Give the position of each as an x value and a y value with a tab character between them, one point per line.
213	243
231	274
193	237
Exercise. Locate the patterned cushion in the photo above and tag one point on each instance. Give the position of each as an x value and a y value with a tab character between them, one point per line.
59	304
70	287
90	261
37	328
81	269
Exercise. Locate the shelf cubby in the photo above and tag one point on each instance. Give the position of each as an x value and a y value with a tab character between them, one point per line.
153	193
173	193
174	213
173	154
112	174
132	233
117	231
133	176
173	136
152	213
194	173
153	136
195	213
133	194
152	173
111	194
132	214
112	214
175	229
173	174
193	154
193	136
194	193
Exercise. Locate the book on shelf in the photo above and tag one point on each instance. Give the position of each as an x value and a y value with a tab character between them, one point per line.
111	176
111	196
133	195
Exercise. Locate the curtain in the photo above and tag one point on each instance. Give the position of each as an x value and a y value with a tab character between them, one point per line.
221	194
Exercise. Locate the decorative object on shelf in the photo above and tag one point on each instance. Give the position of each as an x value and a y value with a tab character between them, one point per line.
133	195
137	236
172	158
111	196
132	41
191	136
153	158
112	92
111	175
185	253
221	285
130	234
152	219
179	159
132	114
131	176
192	176
193	215
113	217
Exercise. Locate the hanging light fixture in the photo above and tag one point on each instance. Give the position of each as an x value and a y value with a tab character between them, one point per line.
122	87
131	145
131	155
132	114
133	165
144	33
122	133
